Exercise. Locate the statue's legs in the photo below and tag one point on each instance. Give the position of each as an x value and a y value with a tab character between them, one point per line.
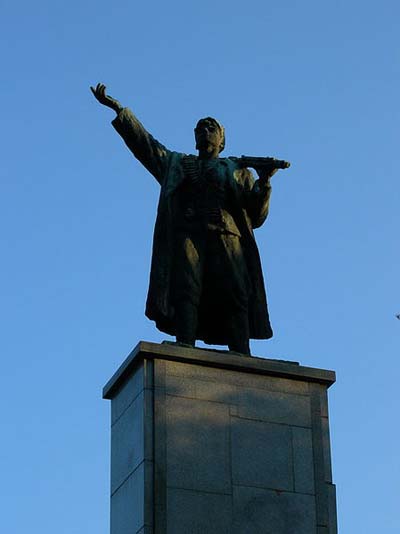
210	274
186	316
239	333
231	281
188	273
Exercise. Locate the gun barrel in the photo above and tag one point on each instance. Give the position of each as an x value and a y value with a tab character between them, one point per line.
258	162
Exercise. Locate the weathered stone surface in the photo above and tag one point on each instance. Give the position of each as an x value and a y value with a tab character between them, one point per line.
198	512
261	511
324	401
193	388
198	454
127	393
320	452
127	442
210	374
224	392
332	512
127	504
274	407
175	385
303	460
327	448
262	455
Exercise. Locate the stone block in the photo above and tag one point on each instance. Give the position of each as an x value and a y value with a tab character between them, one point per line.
191	512
250	380
261	454
148	422
332	508
188	370
127	393
127	504
303	465
127	442
274	407
324	401
261	511
197	449
223	392
193	388
179	387
326	446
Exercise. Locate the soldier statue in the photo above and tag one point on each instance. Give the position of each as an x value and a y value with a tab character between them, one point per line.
206	280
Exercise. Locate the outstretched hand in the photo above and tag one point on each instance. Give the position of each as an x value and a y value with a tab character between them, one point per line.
100	94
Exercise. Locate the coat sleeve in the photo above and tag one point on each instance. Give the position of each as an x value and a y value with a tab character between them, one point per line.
257	197
152	154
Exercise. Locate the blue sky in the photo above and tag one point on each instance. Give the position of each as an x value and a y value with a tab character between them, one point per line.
313	82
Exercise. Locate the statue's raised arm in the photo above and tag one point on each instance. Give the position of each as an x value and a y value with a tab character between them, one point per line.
150	152
101	96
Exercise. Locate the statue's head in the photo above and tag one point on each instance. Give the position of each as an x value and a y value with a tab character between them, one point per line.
209	133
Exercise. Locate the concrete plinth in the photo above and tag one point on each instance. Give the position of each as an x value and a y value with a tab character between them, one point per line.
204	442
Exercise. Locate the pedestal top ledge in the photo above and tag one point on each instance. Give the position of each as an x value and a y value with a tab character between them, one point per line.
215	358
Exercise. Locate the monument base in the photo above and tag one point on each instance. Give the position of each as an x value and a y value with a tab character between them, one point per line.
204	442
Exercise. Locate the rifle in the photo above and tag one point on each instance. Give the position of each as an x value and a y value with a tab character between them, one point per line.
258	163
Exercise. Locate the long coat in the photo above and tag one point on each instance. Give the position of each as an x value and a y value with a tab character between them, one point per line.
250	209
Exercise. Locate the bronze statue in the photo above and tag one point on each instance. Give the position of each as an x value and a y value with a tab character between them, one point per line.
206	280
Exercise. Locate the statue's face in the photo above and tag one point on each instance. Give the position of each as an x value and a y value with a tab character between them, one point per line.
209	136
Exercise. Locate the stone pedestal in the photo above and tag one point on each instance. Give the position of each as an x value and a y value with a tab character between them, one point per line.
205	442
